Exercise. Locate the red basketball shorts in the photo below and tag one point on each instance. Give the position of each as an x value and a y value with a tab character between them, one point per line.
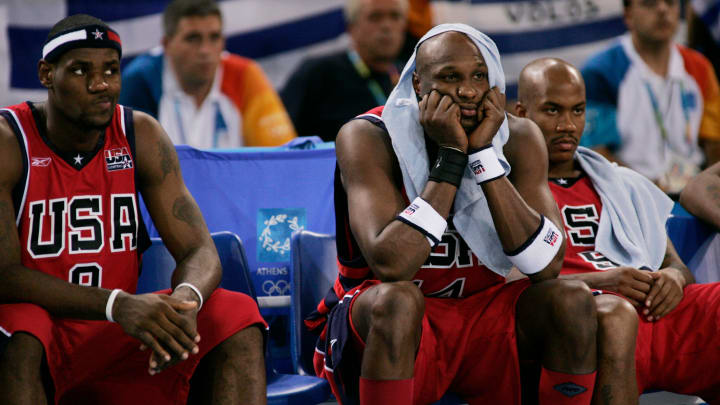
94	362
468	346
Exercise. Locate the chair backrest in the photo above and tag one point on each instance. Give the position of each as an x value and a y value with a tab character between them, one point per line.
313	271
158	265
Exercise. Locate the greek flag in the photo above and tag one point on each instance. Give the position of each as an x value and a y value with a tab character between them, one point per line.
280	33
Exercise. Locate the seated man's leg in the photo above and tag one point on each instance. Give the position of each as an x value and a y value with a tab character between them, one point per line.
232	372
21	371
556	324
388	318
617	331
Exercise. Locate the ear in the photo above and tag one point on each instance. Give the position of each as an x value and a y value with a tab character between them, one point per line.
520	110
416	83
45	73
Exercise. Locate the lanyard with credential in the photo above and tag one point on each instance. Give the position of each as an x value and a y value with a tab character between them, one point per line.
658	115
364	72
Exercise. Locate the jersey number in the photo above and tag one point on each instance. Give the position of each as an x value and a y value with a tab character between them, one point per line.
87	274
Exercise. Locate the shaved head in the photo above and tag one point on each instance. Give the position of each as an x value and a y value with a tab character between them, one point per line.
541	74
437	50
551	92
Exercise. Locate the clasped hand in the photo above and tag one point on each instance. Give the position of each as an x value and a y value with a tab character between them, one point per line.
440	117
164	323
654	294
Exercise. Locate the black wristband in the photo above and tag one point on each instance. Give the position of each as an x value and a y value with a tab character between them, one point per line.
449	166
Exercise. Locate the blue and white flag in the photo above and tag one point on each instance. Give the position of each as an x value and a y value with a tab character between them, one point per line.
280	33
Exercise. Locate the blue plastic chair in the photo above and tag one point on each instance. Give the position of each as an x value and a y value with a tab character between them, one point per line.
313	271
158	266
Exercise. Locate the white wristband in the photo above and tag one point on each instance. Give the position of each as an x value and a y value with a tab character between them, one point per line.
423	217
539	250
195	290
110	303
485	165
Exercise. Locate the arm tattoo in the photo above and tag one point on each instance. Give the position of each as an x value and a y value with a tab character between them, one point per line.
714	192
184	209
168	161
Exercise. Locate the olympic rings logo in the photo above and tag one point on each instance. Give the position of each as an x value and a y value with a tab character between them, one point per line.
281	287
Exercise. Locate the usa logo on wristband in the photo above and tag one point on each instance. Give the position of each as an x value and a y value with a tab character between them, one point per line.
477	167
411	209
551	237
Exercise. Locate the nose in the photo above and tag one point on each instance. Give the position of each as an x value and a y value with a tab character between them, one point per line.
566	124
466	91
97	82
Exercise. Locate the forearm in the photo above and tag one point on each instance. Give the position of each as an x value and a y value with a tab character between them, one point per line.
595	279
400	249
59	297
701	197
201	268
514	220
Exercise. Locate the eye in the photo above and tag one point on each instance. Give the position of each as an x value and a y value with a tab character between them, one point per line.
450	77
78	71
579	111
551	110
481	75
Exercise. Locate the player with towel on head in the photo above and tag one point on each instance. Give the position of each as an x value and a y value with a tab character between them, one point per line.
430	219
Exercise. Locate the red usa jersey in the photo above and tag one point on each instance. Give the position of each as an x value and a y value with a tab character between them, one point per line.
451	270
580	208
77	213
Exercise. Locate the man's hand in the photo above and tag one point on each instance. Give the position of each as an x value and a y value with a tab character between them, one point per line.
440	118
634	284
666	293
491	114
165	324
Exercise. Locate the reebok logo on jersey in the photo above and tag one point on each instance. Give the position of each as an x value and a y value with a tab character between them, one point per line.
411	209
551	237
570	389
477	167
118	159
40	161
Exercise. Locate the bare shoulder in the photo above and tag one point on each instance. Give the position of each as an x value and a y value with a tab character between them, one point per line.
10	155
361	143
525	142
156	156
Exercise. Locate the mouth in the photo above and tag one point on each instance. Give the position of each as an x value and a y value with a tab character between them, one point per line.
565	144
469	111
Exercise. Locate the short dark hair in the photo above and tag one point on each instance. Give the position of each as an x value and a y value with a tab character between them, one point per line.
626	3
179	9
74	22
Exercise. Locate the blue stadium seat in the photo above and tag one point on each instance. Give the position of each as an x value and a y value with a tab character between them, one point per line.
313	271
158	265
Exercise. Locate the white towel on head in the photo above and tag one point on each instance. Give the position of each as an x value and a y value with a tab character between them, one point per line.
401	116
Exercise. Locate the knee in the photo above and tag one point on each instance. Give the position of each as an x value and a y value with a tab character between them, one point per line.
617	325
23	354
572	307
398	308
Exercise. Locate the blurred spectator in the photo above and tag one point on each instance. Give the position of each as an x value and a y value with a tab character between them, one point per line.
203	96
327	91
653	105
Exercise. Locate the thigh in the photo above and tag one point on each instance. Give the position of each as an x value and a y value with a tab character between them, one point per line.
685	346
